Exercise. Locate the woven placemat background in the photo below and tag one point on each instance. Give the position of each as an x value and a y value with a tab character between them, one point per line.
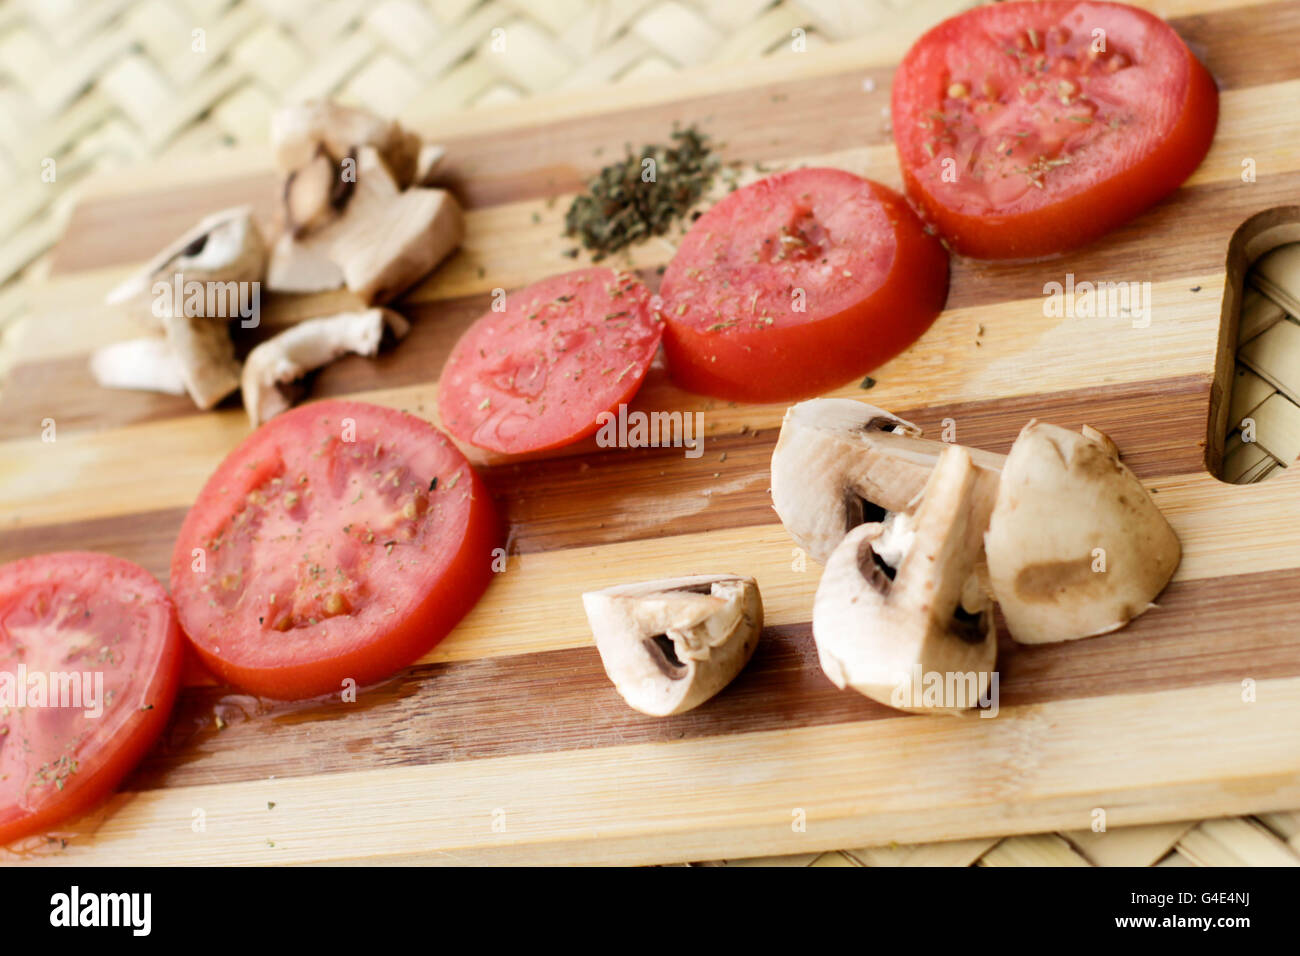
94	85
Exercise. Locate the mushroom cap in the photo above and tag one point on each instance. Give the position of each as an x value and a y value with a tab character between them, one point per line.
670	645
226	246
834	454
1076	545
884	636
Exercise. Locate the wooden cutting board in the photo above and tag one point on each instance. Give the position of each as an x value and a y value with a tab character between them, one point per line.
507	743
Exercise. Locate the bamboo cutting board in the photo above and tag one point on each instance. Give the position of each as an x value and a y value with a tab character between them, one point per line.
507	743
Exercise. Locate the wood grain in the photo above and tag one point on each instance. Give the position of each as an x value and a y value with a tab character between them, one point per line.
1035	768
512	712
440	712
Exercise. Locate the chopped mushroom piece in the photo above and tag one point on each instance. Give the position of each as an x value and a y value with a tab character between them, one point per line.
385	254
839	463
281	360
306	263
382	243
670	645
206	356
302	266
298	132
1076	545
224	247
895	612
144	364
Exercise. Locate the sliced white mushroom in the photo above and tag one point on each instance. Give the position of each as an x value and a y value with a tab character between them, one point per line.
299	131
306	263
670	645
279	361
839	462
384	254
1076	545
302	265
382	242
896	616
205	355
226	246
143	364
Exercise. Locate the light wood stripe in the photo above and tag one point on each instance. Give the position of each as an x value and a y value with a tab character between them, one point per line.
1225	530
859	784
86	475
561	502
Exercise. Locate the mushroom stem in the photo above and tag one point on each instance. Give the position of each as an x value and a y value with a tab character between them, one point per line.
143	364
836	456
205	355
880	626
293	353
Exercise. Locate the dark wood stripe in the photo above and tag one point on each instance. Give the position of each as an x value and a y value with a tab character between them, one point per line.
614	495
1245	46
1242	47
561	700
64	389
1182	237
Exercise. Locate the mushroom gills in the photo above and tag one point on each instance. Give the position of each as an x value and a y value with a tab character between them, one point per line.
670	645
664	653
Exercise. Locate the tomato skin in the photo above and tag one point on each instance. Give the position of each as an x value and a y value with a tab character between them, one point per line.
100	775
1078	214
236	651
789	362
428	623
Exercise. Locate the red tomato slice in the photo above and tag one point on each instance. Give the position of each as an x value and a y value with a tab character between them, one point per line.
1020	136
536	375
89	633
339	540
796	284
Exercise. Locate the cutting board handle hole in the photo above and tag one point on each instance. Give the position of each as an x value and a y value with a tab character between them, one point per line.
1254	427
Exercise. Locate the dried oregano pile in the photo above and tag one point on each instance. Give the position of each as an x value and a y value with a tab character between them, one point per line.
623	204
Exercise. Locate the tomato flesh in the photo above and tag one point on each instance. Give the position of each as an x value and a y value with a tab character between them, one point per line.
798	283
90	659
1026	129
340	541
537	374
